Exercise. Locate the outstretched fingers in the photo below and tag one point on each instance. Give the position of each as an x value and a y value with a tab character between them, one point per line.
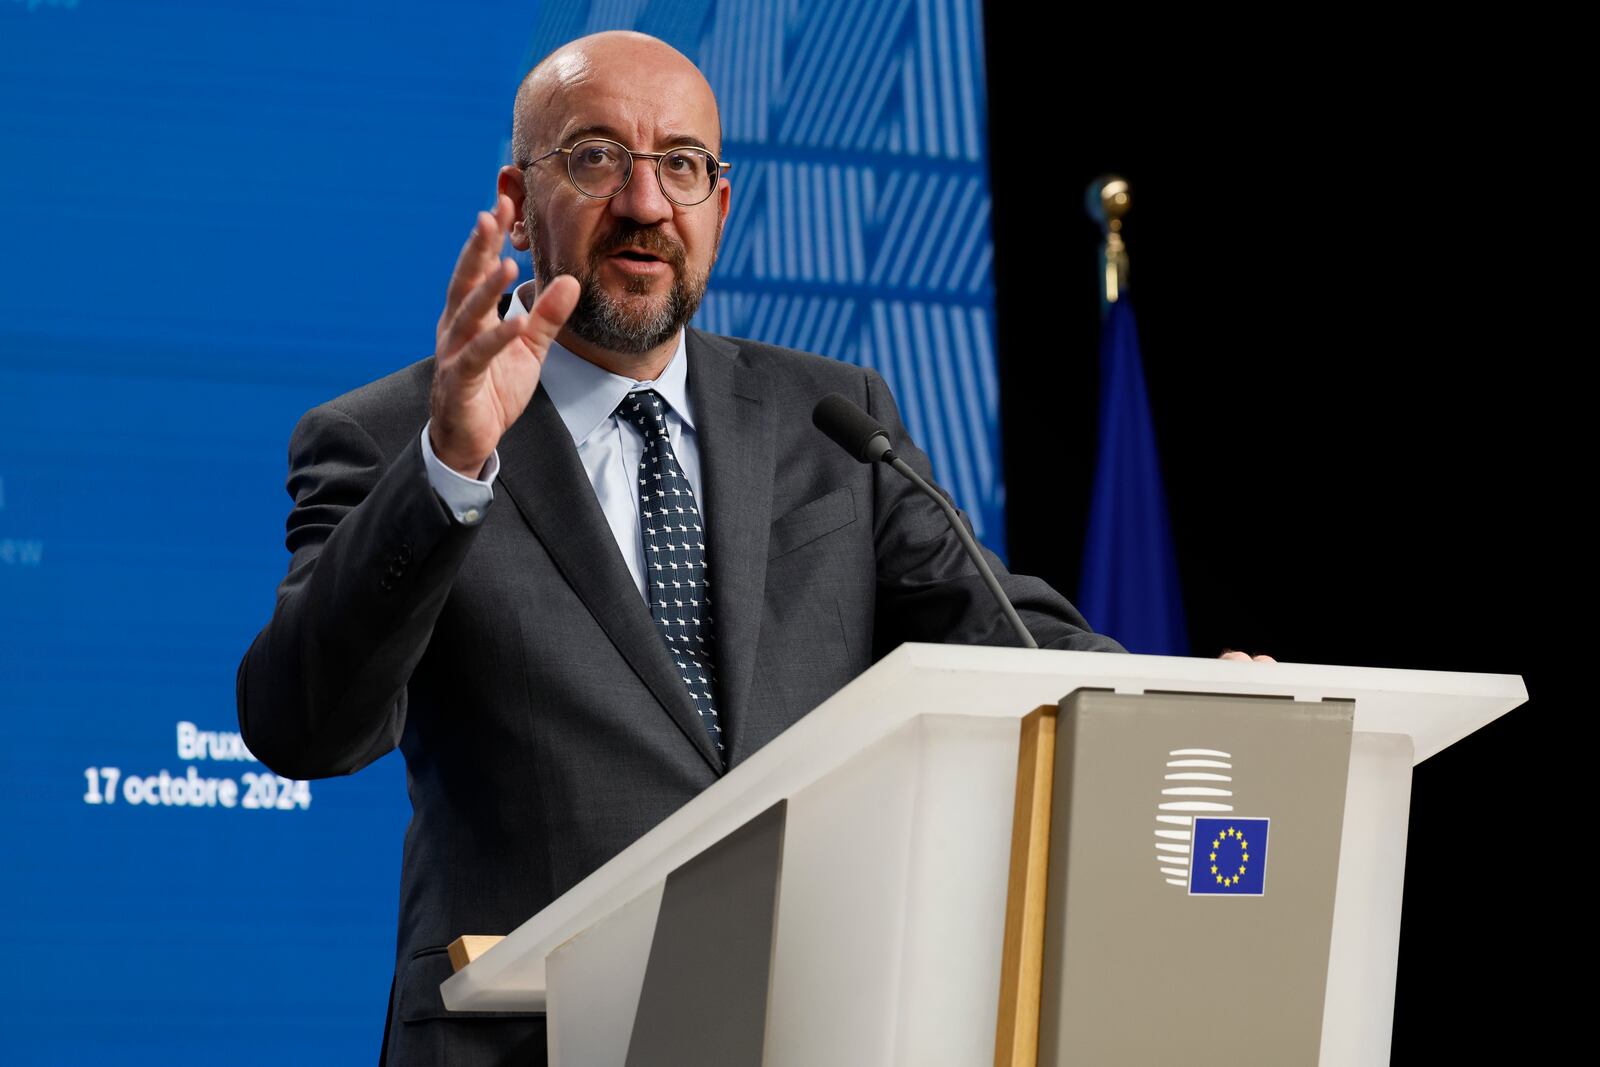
474	357
535	331
550	312
478	256
474	312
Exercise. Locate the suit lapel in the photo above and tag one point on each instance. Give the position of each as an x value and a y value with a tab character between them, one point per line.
736	425
540	472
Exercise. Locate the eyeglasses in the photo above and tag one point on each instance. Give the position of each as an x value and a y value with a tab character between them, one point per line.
600	169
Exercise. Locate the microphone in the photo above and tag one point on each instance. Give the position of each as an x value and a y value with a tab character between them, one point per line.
864	438
852	429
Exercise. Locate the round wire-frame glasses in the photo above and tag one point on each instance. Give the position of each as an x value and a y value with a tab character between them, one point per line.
600	168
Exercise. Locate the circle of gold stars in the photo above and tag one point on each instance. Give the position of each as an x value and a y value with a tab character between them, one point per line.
1244	854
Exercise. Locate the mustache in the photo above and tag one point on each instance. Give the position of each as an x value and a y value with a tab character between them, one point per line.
647	238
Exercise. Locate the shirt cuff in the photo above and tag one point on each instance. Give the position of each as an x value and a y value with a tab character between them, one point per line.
467	498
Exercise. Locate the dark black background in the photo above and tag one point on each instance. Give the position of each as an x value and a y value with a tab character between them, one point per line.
1356	282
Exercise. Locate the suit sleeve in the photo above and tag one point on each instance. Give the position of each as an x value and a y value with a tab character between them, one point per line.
928	590
322	689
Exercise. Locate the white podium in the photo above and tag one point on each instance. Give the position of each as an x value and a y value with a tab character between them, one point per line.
893	861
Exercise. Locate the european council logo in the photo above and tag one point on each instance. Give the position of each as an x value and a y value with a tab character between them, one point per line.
1229	857
1198	784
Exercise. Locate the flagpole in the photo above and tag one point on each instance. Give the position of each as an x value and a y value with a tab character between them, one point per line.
1107	202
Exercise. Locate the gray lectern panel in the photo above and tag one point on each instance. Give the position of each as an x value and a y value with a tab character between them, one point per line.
704	1001
1193	859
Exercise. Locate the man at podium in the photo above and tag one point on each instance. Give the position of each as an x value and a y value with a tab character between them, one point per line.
585	559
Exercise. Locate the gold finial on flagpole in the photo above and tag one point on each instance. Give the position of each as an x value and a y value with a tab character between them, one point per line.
1107	202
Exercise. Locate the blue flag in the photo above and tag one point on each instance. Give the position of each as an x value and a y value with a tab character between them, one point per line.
1130	571
1229	857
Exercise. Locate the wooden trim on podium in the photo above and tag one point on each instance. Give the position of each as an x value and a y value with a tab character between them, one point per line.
1016	1042
468	947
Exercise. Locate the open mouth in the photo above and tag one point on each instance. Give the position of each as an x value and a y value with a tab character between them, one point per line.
637	256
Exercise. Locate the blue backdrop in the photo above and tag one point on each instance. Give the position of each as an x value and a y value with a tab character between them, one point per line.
214	217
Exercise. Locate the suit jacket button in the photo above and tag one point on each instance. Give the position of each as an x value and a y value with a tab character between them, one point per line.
404	555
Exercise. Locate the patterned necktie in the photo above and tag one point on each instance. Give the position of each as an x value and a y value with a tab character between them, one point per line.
675	557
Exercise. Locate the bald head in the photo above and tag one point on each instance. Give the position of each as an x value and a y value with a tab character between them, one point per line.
611	63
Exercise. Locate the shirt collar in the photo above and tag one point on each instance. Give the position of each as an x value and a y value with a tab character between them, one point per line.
585	395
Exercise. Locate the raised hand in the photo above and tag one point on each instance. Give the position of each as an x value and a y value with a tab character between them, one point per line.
485	368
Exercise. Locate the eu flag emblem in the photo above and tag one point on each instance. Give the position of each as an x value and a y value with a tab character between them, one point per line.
1228	857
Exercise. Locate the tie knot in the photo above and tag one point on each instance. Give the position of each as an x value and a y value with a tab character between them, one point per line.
645	409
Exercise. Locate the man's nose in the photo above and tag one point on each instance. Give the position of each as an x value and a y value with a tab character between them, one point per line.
642	199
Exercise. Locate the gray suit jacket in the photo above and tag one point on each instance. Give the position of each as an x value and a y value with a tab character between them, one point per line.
515	665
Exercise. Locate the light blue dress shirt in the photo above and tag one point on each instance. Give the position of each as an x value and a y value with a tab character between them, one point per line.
611	450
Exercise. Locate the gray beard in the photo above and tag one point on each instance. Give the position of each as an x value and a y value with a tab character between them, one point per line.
615	326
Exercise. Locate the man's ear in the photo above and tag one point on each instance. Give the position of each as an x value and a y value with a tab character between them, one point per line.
511	184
